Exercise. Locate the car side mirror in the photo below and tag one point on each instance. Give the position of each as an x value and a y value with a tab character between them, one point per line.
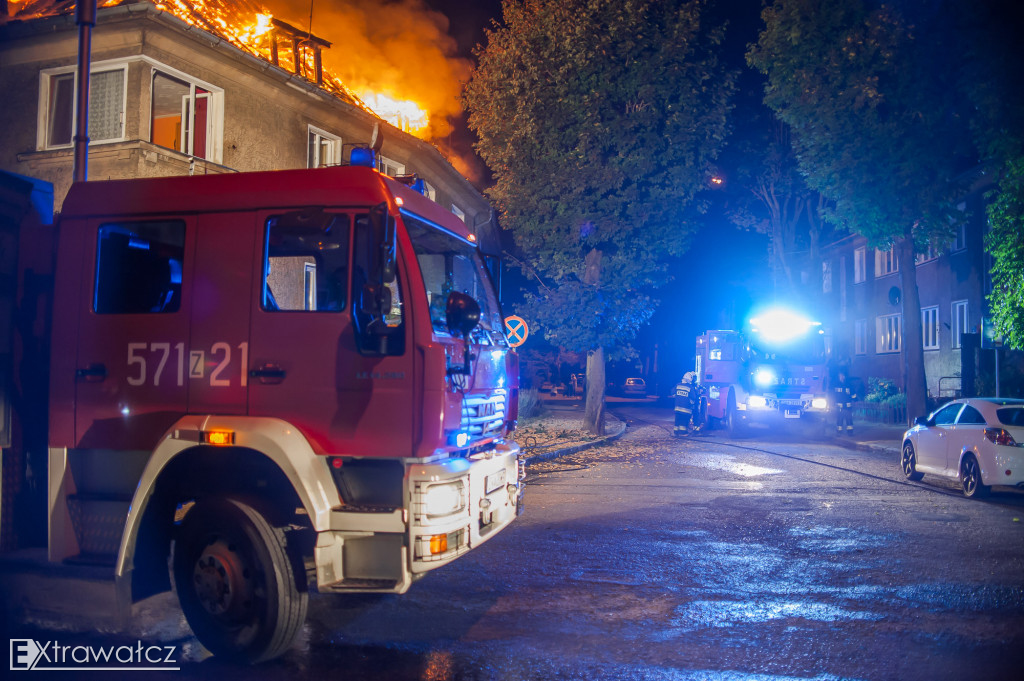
461	313
921	421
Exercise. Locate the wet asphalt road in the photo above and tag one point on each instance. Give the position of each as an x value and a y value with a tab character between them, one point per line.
655	558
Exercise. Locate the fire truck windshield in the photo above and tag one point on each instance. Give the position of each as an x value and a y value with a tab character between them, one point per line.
449	263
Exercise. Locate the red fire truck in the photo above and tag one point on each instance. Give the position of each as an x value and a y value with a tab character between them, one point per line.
773	372
246	386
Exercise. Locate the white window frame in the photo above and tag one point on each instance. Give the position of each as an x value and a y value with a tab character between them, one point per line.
459	213
886	262
931	253
319	135
429	191
826	276
960	322
860	337
390	167
888	330
215	109
860	265
47	76
959	242
930	327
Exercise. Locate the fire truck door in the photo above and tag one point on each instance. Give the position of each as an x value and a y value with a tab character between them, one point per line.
130	369
306	366
218	349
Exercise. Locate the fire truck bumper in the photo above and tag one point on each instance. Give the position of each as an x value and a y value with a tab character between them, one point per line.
453	506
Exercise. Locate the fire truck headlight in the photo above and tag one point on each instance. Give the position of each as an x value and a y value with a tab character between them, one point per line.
443	499
764	377
757	401
819	403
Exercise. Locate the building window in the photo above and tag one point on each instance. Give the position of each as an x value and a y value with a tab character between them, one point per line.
860	337
324	149
391	168
959	321
459	213
106	106
930	328
186	116
887	333
826	276
859	265
959	238
886	262
931	253
429	191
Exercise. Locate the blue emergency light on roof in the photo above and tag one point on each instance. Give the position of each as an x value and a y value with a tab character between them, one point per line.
780	325
363	156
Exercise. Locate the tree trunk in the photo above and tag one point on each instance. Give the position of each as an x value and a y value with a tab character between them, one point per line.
593	414
913	346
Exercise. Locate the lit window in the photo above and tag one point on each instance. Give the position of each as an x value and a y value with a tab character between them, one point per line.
185	116
930	328
959	321
106	106
324	149
860	337
391	168
886	262
887	333
859	265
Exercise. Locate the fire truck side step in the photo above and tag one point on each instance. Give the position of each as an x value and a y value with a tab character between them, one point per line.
361	584
98	521
366	508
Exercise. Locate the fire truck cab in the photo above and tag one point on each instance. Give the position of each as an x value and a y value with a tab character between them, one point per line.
774	372
273	381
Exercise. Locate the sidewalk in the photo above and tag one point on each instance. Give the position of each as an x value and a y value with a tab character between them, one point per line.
879	437
559	431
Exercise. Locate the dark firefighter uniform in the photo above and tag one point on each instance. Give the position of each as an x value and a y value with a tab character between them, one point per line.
843	398
684	405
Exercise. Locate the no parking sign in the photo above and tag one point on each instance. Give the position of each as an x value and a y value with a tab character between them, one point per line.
516	330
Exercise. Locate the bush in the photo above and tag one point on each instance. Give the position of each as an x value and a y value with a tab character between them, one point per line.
884	391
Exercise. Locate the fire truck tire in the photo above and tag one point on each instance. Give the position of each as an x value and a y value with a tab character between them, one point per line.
732	419
235	582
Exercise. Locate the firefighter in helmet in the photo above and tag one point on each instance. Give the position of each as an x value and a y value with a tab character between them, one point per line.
843	397
686	390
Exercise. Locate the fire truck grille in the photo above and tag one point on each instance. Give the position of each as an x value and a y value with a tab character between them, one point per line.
483	415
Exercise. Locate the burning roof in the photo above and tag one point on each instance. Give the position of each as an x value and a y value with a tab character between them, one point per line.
251	27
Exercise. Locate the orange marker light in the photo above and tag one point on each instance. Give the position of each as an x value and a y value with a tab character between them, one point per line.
399	200
438	544
220	437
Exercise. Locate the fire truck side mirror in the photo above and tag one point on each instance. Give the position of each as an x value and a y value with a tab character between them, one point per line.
462	313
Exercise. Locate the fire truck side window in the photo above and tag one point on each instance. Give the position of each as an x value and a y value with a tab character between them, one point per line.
138	267
305	264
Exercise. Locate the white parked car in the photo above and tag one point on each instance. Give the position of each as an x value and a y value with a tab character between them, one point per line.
978	441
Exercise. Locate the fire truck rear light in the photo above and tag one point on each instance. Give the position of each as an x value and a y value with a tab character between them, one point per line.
438	544
336	462
1000	436
219	438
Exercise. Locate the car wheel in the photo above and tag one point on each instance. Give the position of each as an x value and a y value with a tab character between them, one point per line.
235	582
908	462
970	478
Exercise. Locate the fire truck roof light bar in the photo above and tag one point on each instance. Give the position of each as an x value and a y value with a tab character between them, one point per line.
780	325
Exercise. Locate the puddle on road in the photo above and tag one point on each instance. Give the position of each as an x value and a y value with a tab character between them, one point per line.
729	464
698	615
821	539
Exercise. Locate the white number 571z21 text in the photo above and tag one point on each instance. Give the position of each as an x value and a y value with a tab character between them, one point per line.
148	363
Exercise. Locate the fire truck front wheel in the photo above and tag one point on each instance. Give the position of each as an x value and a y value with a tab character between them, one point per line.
733	422
235	582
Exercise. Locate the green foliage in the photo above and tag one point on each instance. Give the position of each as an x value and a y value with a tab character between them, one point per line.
884	391
1005	242
599	119
876	126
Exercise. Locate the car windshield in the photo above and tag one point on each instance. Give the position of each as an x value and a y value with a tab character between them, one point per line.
449	263
1011	416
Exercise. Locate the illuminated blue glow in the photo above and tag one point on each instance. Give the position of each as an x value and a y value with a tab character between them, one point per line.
125	411
780	325
757	401
497	354
461	439
764	377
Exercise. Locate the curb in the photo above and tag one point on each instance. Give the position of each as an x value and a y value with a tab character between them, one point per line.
863	446
554	454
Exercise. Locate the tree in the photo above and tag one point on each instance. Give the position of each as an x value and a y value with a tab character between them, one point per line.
1006	243
599	119
876	126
